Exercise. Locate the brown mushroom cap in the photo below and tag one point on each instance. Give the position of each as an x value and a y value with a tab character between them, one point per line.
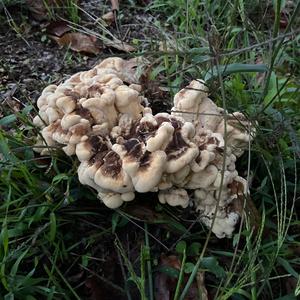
141	164
161	139
180	151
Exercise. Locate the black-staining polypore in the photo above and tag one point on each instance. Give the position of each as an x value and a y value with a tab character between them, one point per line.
101	117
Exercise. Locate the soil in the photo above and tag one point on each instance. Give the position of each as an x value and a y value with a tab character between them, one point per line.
30	60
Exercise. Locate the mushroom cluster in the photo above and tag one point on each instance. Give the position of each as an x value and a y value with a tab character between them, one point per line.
188	157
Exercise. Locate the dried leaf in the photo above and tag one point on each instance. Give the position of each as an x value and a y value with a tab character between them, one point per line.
165	284
135	68
170	261
37	9
119	45
109	18
149	215
94	289
40	8
201	285
58	28
161	287
143	213
250	210
290	284
114	4
78	42
260	77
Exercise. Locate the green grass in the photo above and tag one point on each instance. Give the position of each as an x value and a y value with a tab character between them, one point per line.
251	66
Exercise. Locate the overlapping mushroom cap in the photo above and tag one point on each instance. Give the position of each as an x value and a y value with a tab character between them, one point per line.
99	116
88	103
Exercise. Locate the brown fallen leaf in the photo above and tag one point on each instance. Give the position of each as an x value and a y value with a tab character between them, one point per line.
38	9
290	285
108	18
170	261
165	285
250	210
58	28
119	45
143	213
114	4
135	68
95	291
78	42
201	285
260	77
41	10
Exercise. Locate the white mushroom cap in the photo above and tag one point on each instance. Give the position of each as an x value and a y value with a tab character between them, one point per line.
205	158
175	165
146	179
227	178
47	133
128	101
148	117
174	197
69	120
52	114
115	63
60	136
223	227
121	184
49	90
84	176
203	179
162	138
86	75
66	104
84	150
111	200
102	108
239	132
69	149
38	121
136	87
101	129
181	177
187	131
105	76
128	196
165	182
194	106
114	83
187	100
209	115
79	130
